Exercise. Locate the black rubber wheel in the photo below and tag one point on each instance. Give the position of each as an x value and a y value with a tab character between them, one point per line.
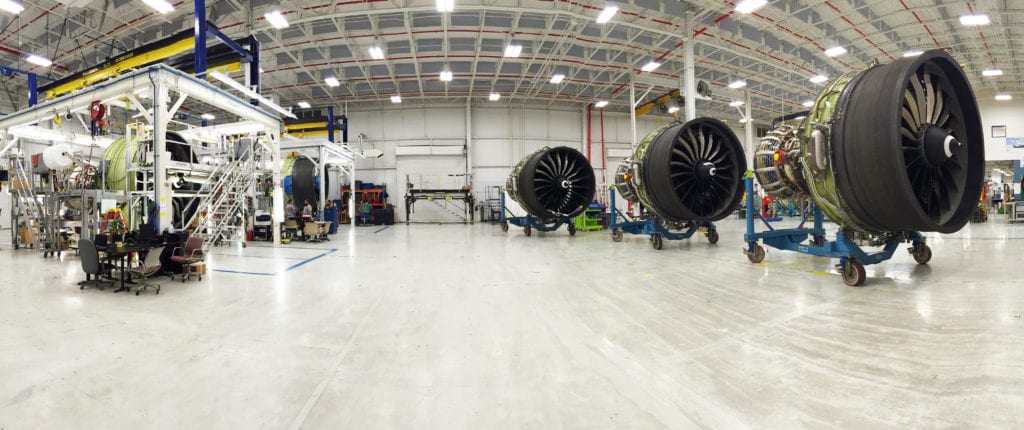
504	227
200	278
713	237
656	241
137	292
853	274
757	255
527	230
81	287
923	254
572	230
617	234
818	241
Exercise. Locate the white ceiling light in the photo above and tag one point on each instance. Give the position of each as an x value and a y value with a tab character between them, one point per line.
332	82
376	52
607	13
396	98
992	72
557	78
446	75
208	116
11	6
912	53
835	51
809	103
736	103
800	117
817	79
445	5
513	50
600	104
974	20
650	66
276	19
747	6
495	97
673	109
304	104
39	61
1004	97
743	120
161	6
737	84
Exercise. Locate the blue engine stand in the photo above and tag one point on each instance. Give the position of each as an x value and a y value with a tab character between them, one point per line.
530	222
852	258
653	227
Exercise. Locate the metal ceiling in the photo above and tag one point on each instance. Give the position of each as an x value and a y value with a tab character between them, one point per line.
776	49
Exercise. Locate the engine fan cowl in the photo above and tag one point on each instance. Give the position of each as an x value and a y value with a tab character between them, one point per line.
553	183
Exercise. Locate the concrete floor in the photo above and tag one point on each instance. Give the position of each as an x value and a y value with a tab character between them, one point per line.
454	326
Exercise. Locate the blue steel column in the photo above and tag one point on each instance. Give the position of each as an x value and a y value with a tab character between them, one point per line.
330	124
33	90
200	36
254	68
613	215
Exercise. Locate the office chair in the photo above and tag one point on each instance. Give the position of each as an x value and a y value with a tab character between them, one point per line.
191	253
149	267
311	232
291	227
325	230
91	265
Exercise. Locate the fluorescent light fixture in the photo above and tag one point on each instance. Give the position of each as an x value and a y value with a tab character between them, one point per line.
673	109
607	13
11	6
39	61
332	82
376	52
817	79
974	20
800	117
835	51
747	6
557	78
446	75
1004	97
445	5
737	84
276	19
162	6
650	66
303	104
736	103
495	97
992	72
250	93
396	98
912	53
208	116
601	104
743	120
809	103
513	50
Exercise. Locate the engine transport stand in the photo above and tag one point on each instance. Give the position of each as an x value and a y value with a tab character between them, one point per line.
530	222
654	227
852	258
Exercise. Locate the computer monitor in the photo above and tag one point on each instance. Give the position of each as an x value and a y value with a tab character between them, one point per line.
147	233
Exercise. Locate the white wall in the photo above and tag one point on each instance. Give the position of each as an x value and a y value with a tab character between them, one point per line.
500	138
1008	113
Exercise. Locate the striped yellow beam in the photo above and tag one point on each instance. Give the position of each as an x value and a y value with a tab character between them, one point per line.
646	107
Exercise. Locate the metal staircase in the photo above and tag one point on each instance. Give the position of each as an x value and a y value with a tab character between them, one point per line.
223	202
29	208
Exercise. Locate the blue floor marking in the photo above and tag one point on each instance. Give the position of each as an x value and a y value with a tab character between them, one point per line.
378	231
288	269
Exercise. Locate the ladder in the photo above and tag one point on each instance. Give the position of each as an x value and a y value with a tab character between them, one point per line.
224	202
34	212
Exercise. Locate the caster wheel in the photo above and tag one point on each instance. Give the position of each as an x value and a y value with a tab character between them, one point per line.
853	273
183	279
137	293
818	241
200	278
527	230
504	227
713	237
923	254
243	246
158	292
656	241
81	287
572	230
757	255
617	234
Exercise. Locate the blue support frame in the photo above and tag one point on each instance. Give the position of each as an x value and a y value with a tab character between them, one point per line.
200	38
33	90
530	221
651	226
330	124
792	239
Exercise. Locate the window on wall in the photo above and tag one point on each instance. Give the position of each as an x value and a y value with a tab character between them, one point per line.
762	131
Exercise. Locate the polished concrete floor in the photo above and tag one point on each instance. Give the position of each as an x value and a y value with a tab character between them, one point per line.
466	327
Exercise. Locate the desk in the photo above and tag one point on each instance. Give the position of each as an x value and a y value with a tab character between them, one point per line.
122	254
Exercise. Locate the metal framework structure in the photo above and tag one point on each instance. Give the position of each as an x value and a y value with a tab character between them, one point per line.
776	49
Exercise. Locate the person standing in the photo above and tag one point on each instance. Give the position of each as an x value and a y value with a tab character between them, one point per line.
289	210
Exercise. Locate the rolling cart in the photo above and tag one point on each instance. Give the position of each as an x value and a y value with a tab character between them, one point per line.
655	227
530	222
